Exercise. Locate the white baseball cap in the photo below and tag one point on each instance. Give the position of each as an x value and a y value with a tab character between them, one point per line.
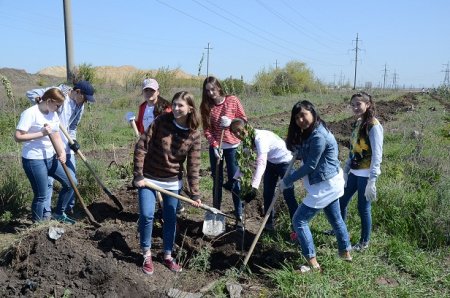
150	83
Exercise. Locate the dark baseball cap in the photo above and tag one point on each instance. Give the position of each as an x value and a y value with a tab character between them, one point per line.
87	90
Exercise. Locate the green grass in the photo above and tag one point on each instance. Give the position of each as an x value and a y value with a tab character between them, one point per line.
409	255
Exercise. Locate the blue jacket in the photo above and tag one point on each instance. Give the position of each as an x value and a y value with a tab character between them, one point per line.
319	153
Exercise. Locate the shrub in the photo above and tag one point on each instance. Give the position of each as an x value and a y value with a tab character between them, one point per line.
12	196
201	261
233	86
295	77
84	72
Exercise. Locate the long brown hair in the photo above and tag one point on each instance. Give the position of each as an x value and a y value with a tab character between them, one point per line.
207	102
369	115
193	120
295	135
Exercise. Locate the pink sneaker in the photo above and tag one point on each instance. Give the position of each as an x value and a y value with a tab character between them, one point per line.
147	267
174	267
293	235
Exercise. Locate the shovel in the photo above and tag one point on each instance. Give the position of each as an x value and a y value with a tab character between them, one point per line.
72	183
81	155
269	210
214	223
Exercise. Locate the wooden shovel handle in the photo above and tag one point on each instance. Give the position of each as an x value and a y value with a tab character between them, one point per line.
269	210
136	131
217	188
179	197
77	193
97	179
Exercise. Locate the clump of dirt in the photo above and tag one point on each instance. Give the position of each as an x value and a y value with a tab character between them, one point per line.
107	261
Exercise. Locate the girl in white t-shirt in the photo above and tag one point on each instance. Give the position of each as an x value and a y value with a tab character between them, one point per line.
38	155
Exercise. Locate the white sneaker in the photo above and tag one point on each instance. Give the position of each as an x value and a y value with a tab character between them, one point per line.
360	246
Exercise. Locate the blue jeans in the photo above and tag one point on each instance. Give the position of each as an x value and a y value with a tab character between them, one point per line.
301	220
229	155
271	175
38	171
71	165
356	183
147	201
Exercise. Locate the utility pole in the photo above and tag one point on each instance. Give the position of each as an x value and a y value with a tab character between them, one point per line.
446	77
276	64
384	76
207	59
356	61
69	39
394	80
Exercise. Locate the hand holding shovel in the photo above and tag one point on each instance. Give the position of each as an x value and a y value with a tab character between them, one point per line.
129	117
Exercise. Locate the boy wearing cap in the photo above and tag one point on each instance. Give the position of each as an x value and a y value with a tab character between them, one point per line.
153	105
70	115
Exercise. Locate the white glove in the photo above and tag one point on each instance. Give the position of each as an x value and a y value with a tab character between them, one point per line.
345	179
129	116
225	122
283	185
371	191
218	152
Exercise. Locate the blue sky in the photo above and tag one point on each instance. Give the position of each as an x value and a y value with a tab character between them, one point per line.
246	36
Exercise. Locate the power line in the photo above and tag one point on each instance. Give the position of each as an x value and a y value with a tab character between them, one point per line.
332	37
292	24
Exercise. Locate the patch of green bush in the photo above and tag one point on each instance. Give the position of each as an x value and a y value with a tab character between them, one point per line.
13	196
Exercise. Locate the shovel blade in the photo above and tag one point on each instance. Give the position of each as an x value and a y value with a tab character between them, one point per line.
213	224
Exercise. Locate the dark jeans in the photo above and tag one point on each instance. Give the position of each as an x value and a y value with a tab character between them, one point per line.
71	165
229	155
271	175
356	183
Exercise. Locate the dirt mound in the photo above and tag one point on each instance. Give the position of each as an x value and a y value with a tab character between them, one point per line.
107	261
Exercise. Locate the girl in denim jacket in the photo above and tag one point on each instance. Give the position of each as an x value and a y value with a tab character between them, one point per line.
322	177
362	167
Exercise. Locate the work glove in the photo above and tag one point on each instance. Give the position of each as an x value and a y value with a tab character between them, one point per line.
218	152
229	185
371	190
250	196
75	146
282	185
225	122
